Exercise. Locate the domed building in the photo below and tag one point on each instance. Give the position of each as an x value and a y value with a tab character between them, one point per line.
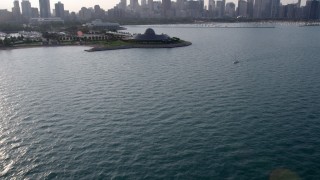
151	36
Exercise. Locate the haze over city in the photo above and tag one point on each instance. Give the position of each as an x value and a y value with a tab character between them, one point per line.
76	5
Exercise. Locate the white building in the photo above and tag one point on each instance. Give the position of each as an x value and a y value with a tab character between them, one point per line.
98	24
46	20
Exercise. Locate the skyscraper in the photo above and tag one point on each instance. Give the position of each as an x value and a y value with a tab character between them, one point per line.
166	6
150	5
34	12
134	4
211	5
242	8
250	8
59	7
299	3
257	10
275	7
201	2
143	3
221	4
26	9
123	4
230	9
16	9
44	8
5	15
266	8
181	4
312	9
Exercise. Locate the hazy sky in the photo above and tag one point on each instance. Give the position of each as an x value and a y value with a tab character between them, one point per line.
75	5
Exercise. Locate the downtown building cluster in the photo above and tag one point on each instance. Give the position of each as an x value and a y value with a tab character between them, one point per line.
217	9
22	11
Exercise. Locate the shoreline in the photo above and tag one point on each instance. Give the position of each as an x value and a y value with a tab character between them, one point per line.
103	48
144	46
44	46
205	21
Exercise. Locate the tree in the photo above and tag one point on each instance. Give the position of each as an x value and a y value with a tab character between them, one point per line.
20	38
28	40
7	42
13	39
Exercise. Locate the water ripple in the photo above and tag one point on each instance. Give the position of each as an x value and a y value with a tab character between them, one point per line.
185	113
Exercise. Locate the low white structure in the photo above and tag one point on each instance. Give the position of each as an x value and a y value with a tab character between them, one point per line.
45	20
99	24
2	35
31	34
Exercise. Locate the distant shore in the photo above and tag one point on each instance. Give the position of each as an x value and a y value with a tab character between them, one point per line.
26	46
95	47
155	21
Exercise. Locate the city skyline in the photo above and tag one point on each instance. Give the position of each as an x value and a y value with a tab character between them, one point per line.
72	6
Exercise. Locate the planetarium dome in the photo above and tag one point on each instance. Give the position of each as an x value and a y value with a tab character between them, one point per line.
150	32
150	35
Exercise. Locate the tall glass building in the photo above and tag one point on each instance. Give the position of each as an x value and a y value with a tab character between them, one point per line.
45	8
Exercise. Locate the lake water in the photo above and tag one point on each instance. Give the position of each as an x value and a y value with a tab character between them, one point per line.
184	113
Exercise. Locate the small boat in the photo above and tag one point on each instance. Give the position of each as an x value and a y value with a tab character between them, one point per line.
236	61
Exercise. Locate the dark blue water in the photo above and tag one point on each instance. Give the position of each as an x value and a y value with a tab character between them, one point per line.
185	113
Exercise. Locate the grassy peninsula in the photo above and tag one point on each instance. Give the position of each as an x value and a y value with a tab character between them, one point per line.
124	44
